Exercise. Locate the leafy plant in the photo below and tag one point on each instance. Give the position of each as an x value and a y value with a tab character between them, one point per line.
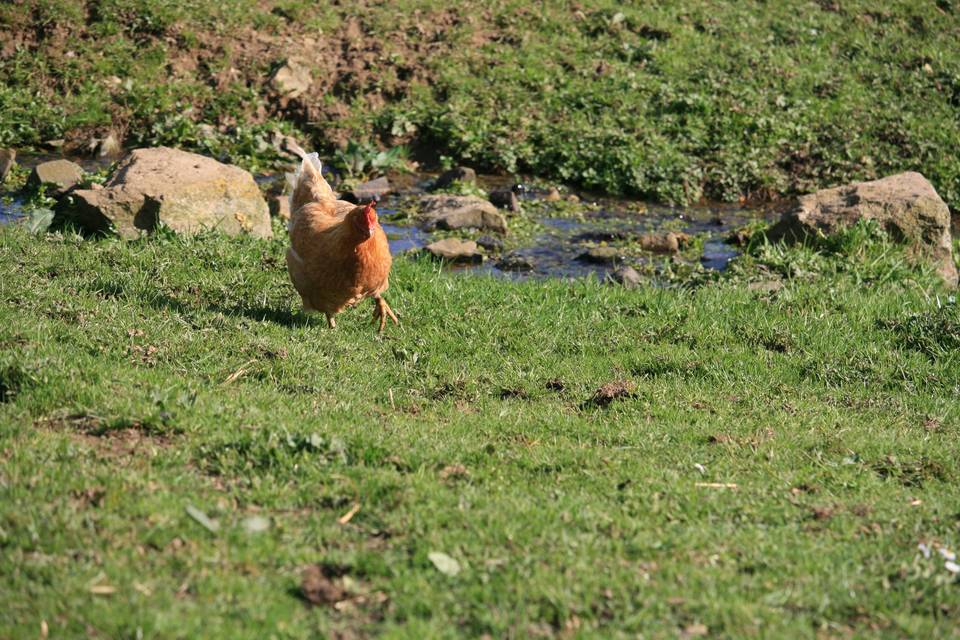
361	159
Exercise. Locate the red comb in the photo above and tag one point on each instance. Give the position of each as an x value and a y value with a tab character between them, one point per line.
370	214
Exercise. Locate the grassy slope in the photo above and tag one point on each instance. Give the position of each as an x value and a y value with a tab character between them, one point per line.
834	403
668	100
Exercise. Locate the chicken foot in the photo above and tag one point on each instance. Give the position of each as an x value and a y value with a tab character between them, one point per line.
381	310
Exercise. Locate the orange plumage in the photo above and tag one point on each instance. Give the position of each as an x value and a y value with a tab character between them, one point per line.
338	251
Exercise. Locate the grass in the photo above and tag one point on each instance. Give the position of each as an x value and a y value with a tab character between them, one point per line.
673	101
141	379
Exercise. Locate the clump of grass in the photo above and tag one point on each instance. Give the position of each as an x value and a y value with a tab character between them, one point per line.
935	332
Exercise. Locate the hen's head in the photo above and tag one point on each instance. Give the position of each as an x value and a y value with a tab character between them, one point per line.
364	220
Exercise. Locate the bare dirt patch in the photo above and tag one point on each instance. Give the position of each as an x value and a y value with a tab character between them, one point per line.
331	585
110	440
615	390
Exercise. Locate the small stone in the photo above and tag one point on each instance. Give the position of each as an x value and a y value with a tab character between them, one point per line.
515	262
553	195
490	243
460	212
62	174
460	174
292	79
505	199
371	190
600	255
8	158
660	242
280	207
628	277
456	250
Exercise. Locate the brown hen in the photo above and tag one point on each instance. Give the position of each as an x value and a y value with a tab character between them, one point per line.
338	251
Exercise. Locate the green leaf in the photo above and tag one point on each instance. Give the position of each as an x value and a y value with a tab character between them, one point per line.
40	220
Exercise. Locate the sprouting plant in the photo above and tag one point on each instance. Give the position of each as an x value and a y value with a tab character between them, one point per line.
360	159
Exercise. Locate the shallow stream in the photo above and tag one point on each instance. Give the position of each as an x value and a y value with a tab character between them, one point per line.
554	238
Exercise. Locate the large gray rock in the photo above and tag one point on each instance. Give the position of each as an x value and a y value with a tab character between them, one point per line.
184	191
62	174
455	250
905	205
460	212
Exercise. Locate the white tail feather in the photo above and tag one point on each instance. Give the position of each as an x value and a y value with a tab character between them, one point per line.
306	184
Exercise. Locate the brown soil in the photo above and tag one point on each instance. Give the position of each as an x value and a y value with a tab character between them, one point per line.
109	442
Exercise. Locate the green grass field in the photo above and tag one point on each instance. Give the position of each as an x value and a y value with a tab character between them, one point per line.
672	101
178	443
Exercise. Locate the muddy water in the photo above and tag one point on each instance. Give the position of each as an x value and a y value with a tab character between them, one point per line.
554	249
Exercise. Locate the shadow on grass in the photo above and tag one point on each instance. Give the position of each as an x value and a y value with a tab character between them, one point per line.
258	313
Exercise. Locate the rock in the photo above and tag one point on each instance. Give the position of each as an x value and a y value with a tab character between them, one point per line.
184	191
63	174
280	207
8	158
600	255
574	198
460	174
455	250
461	212
515	262
553	195
292	79
662	242
490	243
905	205
371	190
505	199
627	276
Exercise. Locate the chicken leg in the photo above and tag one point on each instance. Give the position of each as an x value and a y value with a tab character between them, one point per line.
381	310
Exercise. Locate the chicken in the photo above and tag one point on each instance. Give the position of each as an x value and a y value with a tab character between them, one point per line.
338	251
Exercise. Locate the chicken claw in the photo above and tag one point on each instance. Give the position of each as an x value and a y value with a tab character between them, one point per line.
380	312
